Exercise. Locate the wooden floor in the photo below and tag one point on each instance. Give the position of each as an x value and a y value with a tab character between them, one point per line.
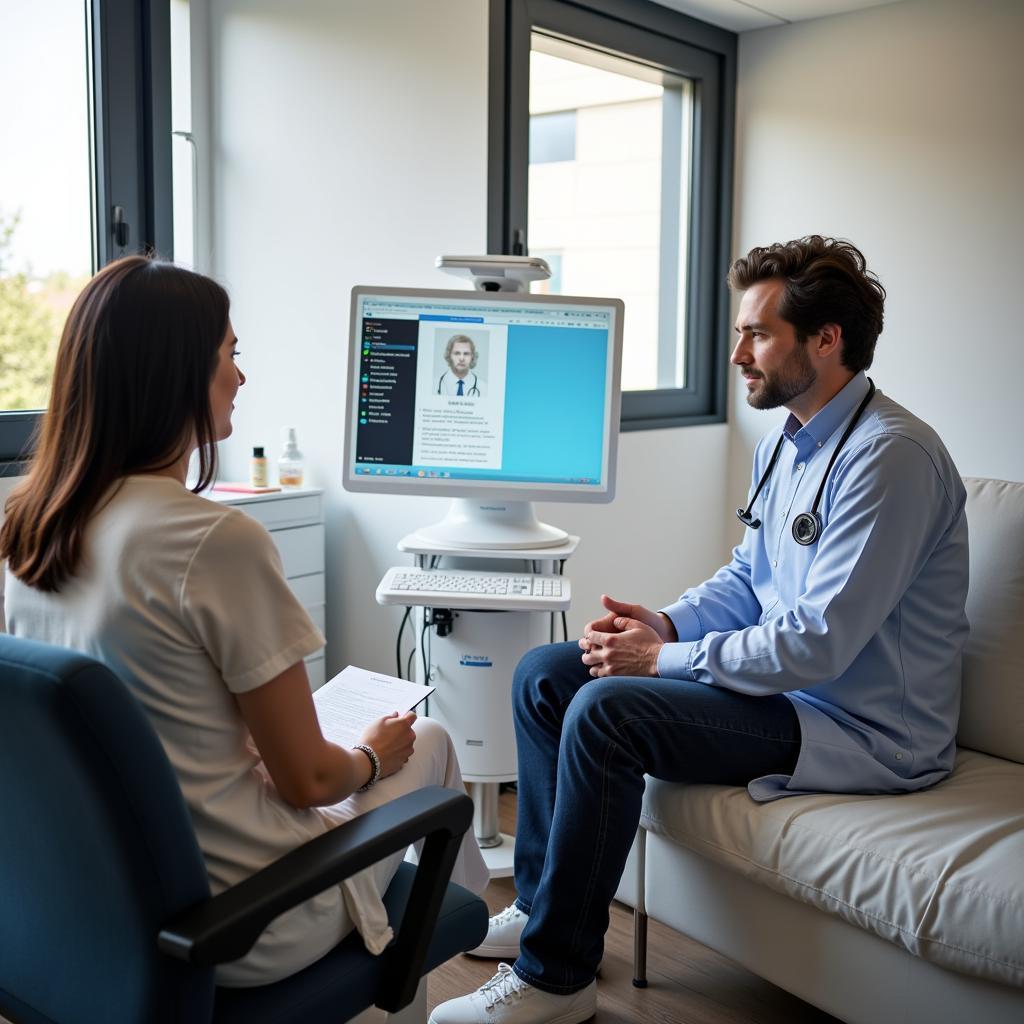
688	983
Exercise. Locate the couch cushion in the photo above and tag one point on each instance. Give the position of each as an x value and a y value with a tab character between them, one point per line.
938	872
992	706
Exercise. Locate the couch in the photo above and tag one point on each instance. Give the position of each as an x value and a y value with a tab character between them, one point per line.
905	908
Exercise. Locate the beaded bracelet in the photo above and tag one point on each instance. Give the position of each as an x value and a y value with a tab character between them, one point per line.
374	761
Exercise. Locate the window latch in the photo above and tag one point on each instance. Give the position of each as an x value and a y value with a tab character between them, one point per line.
119	227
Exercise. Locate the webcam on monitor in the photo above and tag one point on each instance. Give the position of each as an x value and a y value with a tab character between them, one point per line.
493	273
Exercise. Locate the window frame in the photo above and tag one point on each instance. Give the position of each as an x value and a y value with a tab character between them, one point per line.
679	45
128	52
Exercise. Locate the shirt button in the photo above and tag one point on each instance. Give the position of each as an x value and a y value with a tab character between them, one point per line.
800	466
899	757
775	565
820	443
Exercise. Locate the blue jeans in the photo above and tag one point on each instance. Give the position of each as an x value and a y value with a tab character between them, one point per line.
584	747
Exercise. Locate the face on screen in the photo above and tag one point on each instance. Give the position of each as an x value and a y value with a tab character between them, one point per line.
461	357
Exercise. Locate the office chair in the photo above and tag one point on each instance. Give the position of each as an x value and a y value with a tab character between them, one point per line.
105	909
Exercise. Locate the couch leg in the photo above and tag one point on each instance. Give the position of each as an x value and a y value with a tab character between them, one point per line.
639	949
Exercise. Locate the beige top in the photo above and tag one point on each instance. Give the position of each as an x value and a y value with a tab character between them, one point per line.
186	601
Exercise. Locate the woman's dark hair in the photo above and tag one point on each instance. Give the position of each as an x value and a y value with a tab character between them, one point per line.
826	282
131	393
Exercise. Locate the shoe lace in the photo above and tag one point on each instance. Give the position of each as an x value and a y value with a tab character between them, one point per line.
504	985
506	915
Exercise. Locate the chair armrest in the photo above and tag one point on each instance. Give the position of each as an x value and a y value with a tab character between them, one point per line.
225	927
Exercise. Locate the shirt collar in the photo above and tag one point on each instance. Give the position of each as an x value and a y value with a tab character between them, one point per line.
824	423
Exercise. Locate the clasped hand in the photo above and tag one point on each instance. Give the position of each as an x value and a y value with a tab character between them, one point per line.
626	641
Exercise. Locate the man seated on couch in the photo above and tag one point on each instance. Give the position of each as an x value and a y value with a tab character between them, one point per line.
825	657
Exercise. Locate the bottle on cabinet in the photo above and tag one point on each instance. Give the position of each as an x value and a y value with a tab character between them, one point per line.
258	475
289	465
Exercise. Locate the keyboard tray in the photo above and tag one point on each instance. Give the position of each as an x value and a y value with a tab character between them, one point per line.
462	588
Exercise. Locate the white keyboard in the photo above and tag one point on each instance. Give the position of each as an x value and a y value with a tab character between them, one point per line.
459	588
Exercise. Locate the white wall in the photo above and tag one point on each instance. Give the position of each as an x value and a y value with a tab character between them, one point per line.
900	128
351	148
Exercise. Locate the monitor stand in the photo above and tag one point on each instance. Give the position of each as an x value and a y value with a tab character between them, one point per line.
495	525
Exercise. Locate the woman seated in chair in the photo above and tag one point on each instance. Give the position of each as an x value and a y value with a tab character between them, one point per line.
111	554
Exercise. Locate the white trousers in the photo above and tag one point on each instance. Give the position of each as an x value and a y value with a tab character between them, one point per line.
303	935
433	763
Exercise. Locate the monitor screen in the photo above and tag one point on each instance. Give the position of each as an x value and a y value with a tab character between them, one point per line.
483	394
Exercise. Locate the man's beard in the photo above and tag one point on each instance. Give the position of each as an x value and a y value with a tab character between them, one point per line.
790	381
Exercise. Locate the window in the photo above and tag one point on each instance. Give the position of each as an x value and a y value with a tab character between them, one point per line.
552	137
85	176
183	146
611	151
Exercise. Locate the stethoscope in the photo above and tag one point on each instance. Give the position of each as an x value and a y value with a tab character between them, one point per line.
473	392
807	525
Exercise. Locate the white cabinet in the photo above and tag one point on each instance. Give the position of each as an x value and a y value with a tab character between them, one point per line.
295	521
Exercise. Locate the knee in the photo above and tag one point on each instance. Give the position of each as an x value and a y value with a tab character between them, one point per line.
530	670
432	740
434	751
430	733
536	675
598	705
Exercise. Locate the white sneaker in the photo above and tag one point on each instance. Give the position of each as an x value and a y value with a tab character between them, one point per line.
507	999
503	932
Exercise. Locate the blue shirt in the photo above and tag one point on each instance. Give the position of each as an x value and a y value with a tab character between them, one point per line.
862	631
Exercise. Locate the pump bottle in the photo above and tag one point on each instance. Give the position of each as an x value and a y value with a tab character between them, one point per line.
289	465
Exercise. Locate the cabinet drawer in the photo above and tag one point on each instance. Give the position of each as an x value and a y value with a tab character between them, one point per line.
284	511
318	613
301	548
309	589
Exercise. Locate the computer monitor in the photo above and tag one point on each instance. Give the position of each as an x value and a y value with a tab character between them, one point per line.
493	399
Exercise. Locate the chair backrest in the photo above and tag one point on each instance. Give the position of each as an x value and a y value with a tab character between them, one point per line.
992	707
96	849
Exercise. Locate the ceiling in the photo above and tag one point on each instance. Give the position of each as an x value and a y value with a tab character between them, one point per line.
743	15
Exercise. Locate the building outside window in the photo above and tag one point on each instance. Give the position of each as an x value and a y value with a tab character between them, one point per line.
599	194
611	152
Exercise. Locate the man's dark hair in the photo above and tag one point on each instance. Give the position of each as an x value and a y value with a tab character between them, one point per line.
826	282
